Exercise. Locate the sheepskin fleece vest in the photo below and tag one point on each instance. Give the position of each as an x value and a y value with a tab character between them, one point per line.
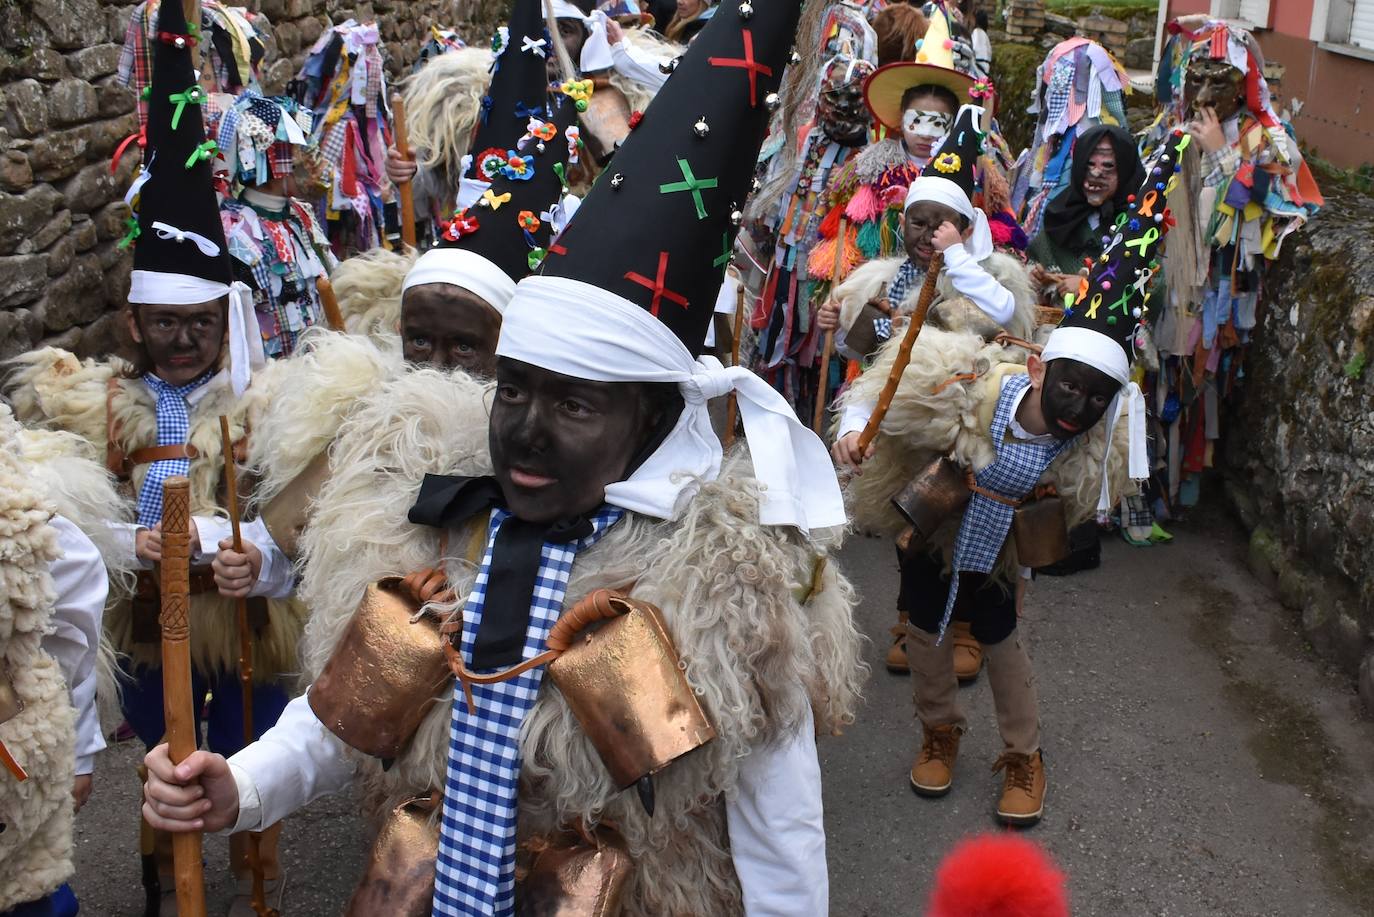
950	310
53	386
930	418
36	845
760	644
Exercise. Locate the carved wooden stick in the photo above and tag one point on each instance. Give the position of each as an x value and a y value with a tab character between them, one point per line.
330	303
913	330
402	137
829	348
177	705
732	404
259	895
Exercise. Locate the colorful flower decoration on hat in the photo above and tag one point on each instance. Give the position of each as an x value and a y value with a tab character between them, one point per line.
517	167
542	130
574	137
462	224
500	41
491	162
493	201
580	91
948	162
527	220
982	89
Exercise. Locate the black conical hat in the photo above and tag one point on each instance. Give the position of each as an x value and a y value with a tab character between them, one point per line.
958	155
519	81
179	193
658	227
1114	298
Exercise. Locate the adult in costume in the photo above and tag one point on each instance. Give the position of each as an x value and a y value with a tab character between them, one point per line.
605	475
986	431
978	290
195	342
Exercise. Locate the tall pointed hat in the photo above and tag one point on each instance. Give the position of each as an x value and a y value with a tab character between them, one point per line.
1102	322
628	289
180	256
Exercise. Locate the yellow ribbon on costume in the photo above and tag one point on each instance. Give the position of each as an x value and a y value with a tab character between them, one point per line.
494	201
1094	305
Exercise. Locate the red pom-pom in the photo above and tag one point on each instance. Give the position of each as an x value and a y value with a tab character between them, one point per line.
1130	198
999	875
635	117
1087	262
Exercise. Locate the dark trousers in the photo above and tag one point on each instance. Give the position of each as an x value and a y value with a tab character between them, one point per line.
223	715
988	606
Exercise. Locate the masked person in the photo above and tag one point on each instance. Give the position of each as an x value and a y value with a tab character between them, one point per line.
979	290
790	205
451	303
1248	189
194	342
599	470
997	426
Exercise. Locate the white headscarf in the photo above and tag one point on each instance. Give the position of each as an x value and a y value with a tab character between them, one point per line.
596	50
580	330
944	191
462	268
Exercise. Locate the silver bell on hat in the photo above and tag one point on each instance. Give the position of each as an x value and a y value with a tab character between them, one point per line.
701	128
746	10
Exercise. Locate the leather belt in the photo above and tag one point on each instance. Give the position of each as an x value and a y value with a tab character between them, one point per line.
151	454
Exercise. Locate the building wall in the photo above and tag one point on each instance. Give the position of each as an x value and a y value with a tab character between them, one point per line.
62	274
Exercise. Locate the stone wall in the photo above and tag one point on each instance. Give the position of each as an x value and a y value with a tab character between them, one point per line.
62	114
1299	453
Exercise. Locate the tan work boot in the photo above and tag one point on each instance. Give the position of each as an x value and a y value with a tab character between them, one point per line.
896	654
933	772
1023	788
968	652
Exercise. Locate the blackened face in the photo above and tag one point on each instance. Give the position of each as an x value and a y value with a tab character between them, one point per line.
183	342
1074	396
573	35
1214	84
557	442
448	327
841	109
919	224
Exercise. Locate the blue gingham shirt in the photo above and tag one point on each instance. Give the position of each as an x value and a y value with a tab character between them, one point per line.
173	429
475	870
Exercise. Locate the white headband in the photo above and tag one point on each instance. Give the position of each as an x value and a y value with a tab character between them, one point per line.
1102	353
462	268
580	330
245	336
939	190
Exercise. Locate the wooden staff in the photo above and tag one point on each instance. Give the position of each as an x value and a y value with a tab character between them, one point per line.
913	329
829	347
178	707
398	123
330	303
732	404
245	655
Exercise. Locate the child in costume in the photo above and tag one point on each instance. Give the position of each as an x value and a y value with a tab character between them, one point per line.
1246	189
979	290
1016	427
598	471
195	342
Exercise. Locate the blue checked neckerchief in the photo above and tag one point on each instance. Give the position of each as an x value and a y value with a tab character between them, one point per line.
173	429
474	875
986	522
908	276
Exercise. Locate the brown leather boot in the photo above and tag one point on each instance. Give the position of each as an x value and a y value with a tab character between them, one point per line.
968	652
933	772
1023	788
896	654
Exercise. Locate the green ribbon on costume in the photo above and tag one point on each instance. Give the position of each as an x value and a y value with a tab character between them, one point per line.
204	151
561	172
191	96
536	258
723	260
132	234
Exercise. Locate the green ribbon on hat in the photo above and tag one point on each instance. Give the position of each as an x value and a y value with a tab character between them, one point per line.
536	258
193	95
132	234
204	151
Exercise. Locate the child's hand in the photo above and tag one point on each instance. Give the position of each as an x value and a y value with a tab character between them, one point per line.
399	169
946	236
846	451
828	318
148	544
614	33
236	573
1206	130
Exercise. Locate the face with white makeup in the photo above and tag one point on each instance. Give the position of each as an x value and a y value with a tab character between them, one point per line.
927	115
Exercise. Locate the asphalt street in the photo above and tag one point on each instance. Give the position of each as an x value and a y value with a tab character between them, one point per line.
1201	761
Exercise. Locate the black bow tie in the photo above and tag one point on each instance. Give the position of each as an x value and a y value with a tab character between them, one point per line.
447	501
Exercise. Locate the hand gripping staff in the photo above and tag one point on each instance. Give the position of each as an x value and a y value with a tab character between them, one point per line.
245	657
899	365
177	705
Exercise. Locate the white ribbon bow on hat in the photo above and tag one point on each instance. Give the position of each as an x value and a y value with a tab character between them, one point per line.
167	231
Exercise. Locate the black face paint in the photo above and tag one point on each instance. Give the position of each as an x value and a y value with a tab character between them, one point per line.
448	327
557	442
1074	396
183	342
918	227
1214	84
573	34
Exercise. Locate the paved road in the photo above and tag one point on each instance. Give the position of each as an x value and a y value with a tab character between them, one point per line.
1201	762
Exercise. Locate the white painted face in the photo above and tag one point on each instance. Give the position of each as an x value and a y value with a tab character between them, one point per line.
922	127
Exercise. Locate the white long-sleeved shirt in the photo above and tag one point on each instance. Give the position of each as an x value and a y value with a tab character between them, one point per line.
82	585
776	820
634	64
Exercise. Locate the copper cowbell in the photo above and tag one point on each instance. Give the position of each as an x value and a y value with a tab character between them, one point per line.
936	493
387	670
577	873
399	880
624	683
1041	532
